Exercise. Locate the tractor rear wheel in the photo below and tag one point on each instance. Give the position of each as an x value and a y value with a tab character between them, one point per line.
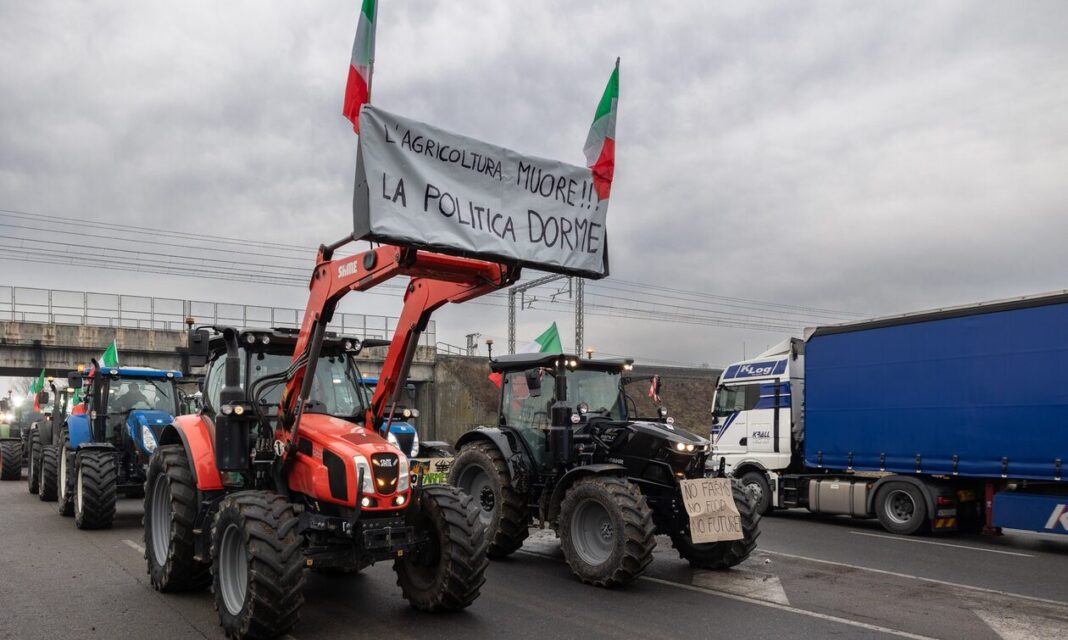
33	461
606	531
447	573
65	477
482	472
48	473
170	511
257	563
95	486
727	553
10	460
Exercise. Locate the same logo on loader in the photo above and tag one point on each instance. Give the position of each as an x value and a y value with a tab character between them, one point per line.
1058	517
347	269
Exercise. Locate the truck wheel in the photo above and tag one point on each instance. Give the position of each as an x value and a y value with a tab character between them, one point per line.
10	460
257	563
447	573
170	510
901	508
606	531
95	485
65	477
756	483
33	463
728	553
482	473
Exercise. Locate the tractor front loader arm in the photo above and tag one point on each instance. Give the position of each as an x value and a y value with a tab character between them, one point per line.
435	279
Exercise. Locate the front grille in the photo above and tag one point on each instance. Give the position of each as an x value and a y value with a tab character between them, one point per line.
386	469
405	440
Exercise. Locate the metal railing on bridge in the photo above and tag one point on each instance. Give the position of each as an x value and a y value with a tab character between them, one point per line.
55	306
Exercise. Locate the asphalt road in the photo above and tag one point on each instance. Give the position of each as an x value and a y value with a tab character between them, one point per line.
812	578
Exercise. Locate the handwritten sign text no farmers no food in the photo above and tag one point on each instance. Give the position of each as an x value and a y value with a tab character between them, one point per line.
713	515
422	186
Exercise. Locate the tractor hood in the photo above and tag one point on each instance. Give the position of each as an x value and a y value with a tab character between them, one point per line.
670	434
144	426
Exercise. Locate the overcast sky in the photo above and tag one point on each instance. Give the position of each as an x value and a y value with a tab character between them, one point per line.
874	157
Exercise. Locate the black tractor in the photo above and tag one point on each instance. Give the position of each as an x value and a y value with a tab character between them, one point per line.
570	452
43	434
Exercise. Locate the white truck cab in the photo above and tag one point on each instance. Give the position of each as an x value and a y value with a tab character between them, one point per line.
757	417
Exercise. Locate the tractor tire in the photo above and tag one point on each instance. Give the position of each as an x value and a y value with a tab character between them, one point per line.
481	471
606	531
47	484
95	488
449	571
756	483
65	477
33	464
901	508
728	553
257	563
10	460
170	510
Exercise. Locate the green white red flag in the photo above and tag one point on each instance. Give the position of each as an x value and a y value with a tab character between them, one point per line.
547	342
37	387
110	357
600	147
358	89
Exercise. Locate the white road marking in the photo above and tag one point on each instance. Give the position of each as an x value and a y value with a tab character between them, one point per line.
134	545
753	584
912	577
782	607
941	544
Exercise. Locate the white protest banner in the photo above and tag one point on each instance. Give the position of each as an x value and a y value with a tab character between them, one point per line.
713	515
420	186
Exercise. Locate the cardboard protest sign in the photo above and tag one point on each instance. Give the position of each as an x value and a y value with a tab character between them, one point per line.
713	515
421	186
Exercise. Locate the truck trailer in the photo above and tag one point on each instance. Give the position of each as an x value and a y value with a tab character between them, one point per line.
935	421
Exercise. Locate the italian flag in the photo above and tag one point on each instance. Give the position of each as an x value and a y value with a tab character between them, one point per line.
358	89
600	148
37	387
548	341
110	358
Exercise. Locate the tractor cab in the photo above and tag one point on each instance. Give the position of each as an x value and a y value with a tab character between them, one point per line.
605	426
126	407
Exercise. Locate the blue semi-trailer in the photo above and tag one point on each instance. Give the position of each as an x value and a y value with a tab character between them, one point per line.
934	421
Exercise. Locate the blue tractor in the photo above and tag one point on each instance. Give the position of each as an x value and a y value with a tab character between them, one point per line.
103	447
401	432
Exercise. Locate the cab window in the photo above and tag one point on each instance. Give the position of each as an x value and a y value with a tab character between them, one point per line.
738	397
526	409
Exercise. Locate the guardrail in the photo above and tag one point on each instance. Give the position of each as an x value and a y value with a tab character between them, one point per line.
57	306
451	349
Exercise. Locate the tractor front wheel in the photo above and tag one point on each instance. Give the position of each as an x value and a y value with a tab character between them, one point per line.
10	460
170	511
95	486
33	461
47	489
606	531
447	573
257	563
481	471
727	553
65	477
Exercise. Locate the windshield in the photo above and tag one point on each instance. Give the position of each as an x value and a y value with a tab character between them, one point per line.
126	395
599	390
735	398
334	390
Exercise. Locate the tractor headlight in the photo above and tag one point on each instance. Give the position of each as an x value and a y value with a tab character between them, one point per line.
415	445
368	485
679	446
403	479
392	439
407	413
148	439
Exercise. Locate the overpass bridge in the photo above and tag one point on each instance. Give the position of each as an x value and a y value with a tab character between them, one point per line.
57	329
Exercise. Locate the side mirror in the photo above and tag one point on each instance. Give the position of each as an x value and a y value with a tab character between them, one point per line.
42	398
198	347
74	381
533	382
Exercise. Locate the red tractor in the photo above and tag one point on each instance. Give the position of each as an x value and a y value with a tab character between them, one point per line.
284	468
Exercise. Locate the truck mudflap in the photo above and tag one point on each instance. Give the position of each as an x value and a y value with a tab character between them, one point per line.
1031	512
